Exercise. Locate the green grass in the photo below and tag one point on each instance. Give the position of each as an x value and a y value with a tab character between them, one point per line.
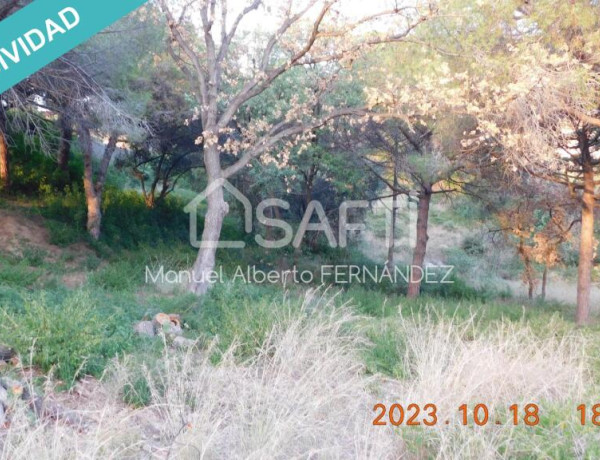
66	336
79	332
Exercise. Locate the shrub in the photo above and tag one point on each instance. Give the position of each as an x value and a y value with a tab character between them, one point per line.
62	234
68	206
66	336
473	246
127	223
35	173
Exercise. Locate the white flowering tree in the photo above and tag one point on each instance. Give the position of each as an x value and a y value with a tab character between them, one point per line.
234	51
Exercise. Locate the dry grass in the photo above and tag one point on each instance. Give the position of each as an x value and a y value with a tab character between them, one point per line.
305	395
452	362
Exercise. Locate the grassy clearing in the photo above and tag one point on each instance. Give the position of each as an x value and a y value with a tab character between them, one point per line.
282	372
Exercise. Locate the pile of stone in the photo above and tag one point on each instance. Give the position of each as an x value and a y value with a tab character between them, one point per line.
165	324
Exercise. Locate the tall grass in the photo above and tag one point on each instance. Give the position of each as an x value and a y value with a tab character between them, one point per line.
450	362
304	393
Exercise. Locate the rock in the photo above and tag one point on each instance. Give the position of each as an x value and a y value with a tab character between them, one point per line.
144	328
50	409
183	343
3	397
169	324
6	354
173	330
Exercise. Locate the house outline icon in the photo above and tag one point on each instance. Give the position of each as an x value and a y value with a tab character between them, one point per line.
192	209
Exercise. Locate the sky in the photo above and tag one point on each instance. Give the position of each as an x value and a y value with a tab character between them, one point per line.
265	18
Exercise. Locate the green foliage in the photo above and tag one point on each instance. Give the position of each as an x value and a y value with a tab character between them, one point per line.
34	256
241	313
384	356
62	234
122	275
66	215
137	393
68	206
473	246
15	272
372	302
65	336
33	172
127	222
455	288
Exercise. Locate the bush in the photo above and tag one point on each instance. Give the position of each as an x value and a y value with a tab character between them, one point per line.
473	246
127	223
65	335
35	173
62	234
68	206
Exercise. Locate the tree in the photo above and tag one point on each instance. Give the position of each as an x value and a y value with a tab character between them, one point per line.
528	73
6	9
310	33
169	149
93	188
536	222
545	109
411	160
67	89
89	91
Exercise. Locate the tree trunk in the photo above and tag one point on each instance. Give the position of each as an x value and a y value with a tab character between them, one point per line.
93	190
529	276
392	241
544	281
414	284
64	151
586	244
269	231
528	271
216	211
4	154
92	200
149	200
